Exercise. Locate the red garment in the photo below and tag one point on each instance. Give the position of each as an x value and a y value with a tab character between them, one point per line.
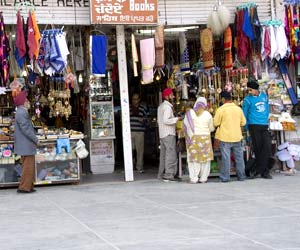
20	38
31	42
267	43
243	43
114	73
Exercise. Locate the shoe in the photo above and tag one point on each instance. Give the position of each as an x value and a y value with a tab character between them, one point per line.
25	191
176	178
266	176
193	182
169	179
224	181
141	171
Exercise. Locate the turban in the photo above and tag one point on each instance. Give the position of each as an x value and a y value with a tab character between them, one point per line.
166	92
252	84
20	98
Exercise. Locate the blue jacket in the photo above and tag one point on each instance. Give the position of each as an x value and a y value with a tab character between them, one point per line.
256	109
24	135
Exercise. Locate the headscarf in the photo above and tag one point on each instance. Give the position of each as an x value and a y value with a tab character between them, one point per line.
20	98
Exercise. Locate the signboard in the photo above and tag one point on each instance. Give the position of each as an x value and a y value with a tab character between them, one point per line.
58	12
123	11
101	152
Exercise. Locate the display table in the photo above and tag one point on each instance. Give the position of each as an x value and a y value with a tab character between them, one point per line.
52	166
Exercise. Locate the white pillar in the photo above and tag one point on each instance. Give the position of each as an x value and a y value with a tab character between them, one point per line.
123	80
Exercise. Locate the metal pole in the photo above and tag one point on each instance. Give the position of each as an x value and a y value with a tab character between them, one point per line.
123	80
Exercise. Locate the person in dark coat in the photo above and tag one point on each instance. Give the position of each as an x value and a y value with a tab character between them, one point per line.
26	142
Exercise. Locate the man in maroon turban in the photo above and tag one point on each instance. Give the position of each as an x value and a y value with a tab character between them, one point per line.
167	135
20	98
25	142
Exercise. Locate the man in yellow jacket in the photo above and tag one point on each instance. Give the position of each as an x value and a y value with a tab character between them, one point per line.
228	120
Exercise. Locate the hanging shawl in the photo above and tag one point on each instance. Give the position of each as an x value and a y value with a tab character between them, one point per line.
31	41
135	57
4	53
147	50
184	53
247	27
206	41
159	47
20	41
98	48
227	48
242	39
37	34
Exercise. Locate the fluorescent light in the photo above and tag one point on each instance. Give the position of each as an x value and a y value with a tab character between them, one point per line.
175	29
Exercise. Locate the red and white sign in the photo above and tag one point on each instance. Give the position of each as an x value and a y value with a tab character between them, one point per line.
123	11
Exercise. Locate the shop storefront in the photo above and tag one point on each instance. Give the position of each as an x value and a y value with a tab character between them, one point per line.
90	98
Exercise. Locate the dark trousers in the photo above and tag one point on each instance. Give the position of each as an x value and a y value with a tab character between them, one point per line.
261	141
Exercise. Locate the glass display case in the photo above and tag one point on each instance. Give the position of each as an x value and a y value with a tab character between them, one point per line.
102	120
101	108
55	164
102	125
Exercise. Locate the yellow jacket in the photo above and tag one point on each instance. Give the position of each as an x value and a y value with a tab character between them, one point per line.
228	120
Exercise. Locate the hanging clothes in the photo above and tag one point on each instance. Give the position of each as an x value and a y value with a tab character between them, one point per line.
20	51
243	45
227	48
147	51
135	57
37	34
159	47
184	53
4	53
98	47
31	40
53	52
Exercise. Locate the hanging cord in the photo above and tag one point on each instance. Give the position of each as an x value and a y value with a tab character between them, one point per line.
166	18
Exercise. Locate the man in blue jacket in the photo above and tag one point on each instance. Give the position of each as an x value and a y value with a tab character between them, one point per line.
256	111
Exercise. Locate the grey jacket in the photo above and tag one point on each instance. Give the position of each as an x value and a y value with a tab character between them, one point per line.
24	135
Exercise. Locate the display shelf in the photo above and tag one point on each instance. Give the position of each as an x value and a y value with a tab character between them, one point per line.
51	167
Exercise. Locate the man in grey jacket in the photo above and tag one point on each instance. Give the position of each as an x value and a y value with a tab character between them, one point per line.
25	142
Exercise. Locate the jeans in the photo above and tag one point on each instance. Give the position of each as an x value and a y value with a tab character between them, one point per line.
237	150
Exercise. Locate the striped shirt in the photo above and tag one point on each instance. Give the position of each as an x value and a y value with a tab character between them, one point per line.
138	118
166	119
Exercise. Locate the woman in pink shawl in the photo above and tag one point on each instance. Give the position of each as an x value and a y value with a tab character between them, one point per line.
198	124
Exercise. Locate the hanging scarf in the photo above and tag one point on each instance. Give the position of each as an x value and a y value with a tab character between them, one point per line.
159	47
184	53
147	50
135	57
227	48
31	41
37	34
4	53
20	41
98	46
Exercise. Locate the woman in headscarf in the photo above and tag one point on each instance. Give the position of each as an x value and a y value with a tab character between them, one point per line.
198	124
